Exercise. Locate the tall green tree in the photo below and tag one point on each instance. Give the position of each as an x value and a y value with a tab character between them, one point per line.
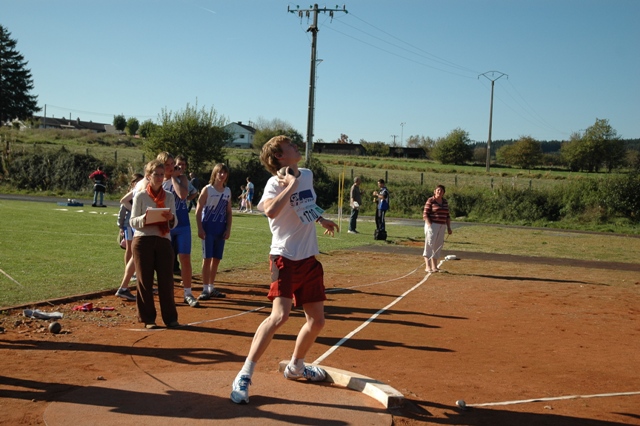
424	142
16	82
119	122
453	148
146	128
599	146
612	148
195	133
132	126
525	153
266	129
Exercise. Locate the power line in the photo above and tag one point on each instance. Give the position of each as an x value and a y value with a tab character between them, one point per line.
423	54
428	54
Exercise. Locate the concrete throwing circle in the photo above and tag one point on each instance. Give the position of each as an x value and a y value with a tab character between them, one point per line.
203	396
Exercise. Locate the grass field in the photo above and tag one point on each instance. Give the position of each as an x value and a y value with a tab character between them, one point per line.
48	251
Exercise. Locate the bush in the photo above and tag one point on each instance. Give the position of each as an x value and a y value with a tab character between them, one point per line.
62	171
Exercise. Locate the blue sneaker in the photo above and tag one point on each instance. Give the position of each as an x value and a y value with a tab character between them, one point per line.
240	390
310	372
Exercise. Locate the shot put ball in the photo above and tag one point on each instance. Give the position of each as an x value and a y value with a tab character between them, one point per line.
55	327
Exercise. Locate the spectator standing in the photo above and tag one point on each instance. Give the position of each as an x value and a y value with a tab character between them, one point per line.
213	216
296	275
176	183
436	220
355	200
152	252
250	191
194	190
124	216
99	178
382	200
243	198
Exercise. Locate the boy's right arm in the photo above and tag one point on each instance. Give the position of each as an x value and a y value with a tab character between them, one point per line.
273	206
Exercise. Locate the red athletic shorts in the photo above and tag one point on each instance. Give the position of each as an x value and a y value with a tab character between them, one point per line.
300	280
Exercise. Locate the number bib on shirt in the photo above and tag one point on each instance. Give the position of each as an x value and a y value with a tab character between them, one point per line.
308	212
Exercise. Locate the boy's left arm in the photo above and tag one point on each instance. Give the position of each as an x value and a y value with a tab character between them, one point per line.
330	226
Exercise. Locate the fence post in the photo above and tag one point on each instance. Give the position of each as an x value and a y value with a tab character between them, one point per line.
421	178
386	176
143	162
529	184
456	181
492	183
115	156
351	175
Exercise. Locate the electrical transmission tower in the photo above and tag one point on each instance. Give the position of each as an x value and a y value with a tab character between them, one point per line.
492	79
313	29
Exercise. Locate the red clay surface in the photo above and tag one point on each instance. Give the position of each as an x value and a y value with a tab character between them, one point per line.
490	329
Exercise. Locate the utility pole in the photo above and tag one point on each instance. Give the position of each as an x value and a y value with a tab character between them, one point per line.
394	139
491	112
402	133
313	29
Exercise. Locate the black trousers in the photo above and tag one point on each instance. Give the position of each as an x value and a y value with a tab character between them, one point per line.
380	214
154	255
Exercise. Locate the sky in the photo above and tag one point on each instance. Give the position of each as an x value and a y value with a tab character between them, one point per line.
386	70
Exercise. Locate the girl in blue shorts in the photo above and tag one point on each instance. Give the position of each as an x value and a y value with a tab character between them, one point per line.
213	215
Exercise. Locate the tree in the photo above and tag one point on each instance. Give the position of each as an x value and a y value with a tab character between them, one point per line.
612	146
266	129
424	142
195	133
344	139
598	146
480	154
132	126
525	153
15	82
146	128
453	148
119	122
375	149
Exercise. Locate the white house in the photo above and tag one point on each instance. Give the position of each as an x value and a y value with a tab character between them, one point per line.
242	135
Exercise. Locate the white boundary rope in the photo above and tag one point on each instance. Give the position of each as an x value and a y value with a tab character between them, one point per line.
334	290
553	398
373	317
10	277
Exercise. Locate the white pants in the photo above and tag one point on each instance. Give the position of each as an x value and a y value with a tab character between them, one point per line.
433	240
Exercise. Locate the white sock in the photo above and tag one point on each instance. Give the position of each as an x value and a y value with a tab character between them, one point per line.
247	368
208	288
296	365
187	292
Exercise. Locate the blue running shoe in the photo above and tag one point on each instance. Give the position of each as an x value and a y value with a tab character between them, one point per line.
240	390
310	372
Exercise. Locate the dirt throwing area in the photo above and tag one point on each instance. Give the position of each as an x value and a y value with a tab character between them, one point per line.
486	330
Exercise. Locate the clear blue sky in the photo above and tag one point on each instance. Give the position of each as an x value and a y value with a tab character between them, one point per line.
384	63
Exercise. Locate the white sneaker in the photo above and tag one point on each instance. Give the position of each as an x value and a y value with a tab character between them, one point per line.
352	232
191	301
240	390
310	372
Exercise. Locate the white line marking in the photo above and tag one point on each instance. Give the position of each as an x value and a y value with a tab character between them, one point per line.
367	322
333	290
553	398
11	278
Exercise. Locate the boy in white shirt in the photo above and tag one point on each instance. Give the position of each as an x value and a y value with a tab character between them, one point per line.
297	276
